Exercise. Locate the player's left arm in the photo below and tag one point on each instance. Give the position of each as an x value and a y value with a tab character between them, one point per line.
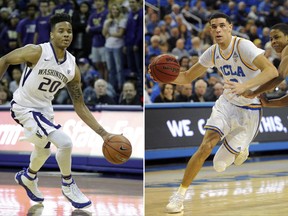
268	72
279	102
75	92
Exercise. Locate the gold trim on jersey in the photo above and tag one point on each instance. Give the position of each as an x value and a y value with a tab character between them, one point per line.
231	52
251	67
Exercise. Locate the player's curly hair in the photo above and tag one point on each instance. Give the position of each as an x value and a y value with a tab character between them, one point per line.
60	17
283	27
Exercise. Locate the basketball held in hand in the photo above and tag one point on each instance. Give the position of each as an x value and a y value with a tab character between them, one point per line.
117	149
164	68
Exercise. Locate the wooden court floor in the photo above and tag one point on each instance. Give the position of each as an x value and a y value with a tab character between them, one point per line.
252	189
110	196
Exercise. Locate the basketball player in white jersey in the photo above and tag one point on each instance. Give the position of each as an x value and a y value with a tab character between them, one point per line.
48	68
234	119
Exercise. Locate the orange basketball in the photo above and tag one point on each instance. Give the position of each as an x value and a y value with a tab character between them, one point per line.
117	149
164	68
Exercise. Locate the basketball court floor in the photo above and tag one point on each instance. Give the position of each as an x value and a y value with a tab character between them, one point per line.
110	195
252	189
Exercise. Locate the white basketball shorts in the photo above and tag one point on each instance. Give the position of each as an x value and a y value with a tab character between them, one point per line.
236	125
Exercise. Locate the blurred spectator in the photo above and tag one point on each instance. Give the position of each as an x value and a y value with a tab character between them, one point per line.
232	11
94	27
166	94
184	62
199	9
64	6
209	95
87	72
81	44
12	6
98	94
113	30
242	13
283	10
16	77
52	5
8	36
197	47
217	91
134	40
253	33
153	48
185	93
177	14
4	22
42	32
164	35
175	35
129	95
273	17
179	50
167	9
169	22
152	23
265	37
27	26
200	90
4	96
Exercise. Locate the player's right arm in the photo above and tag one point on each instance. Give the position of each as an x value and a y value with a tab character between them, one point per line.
191	74
29	54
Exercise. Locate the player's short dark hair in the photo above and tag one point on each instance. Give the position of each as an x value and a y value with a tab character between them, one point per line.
283	27
219	15
60	17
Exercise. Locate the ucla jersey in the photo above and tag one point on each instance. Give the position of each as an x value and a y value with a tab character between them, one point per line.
39	84
235	66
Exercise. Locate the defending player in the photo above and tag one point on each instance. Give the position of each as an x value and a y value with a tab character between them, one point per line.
279	41
234	119
48	68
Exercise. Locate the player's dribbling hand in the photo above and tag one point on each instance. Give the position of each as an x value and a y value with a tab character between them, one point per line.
107	136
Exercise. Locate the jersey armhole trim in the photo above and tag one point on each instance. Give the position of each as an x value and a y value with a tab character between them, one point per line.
251	67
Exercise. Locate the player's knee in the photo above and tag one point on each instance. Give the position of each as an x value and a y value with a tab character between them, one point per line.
219	166
66	144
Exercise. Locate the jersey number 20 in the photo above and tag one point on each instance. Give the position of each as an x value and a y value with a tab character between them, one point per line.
48	85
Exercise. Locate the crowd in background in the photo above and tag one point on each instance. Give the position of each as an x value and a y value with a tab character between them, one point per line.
181	28
107	43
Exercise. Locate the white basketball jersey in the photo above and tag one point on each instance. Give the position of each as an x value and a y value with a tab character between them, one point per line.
39	84
235	66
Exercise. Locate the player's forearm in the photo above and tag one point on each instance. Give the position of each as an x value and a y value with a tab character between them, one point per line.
84	113
188	76
265	76
280	102
269	85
